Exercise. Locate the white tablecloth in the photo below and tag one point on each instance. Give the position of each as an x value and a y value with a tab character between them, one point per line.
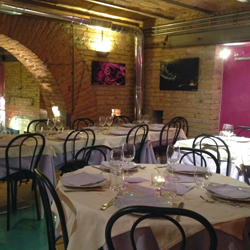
86	222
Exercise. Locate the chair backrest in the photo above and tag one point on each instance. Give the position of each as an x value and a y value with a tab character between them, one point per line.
246	173
168	135
79	123
47	191
71	147
242	130
137	135
34	153
101	152
182	122
198	157
147	212
216	144
36	123
122	118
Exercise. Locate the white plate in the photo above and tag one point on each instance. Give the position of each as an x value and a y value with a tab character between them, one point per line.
99	184
240	139
220	193
187	169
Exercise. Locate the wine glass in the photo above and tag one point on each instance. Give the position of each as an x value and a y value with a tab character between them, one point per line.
202	177
51	123
59	124
228	130
128	150
146	119
109	121
102	121
116	170
173	155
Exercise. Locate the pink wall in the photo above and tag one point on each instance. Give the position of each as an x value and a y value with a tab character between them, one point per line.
235	103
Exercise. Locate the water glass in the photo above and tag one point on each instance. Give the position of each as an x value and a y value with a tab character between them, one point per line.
173	154
202	178
170	191
161	164
116	180
228	130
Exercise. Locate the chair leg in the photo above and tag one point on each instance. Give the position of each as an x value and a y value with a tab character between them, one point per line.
36	199
8	204
14	195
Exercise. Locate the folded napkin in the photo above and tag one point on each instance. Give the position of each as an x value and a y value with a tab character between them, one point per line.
135	179
229	191
178	187
135	200
82	179
184	168
186	179
126	166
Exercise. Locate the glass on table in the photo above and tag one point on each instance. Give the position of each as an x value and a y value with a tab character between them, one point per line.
228	130
128	150
173	155
161	164
102	121
109	121
202	178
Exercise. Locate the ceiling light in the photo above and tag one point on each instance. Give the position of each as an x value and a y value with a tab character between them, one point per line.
225	53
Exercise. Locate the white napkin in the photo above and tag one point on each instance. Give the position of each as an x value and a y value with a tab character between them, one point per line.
184	168
126	166
180	188
135	179
229	191
149	200
81	179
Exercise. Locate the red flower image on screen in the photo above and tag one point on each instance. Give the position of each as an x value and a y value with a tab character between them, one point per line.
107	73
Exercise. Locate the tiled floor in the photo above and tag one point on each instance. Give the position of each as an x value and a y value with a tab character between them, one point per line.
27	233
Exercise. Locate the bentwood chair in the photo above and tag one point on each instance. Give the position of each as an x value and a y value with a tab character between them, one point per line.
198	157
72	145
215	145
20	162
36	123
47	191
168	135
246	173
79	123
146	212
137	136
93	155
183	123
242	129
121	118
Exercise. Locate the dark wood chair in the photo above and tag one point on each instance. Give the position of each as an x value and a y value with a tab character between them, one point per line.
242	131
21	169
47	191
146	212
217	144
121	118
137	136
198	157
79	123
70	161
35	124
246	173
183	123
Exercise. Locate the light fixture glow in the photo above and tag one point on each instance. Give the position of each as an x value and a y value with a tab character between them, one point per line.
55	111
225	53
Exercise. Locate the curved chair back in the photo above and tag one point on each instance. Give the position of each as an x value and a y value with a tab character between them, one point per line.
121	118
79	123
168	135
72	145
182	122
246	173
198	157
137	136
36	123
242	130
21	160
216	144
147	212
47	191
101	152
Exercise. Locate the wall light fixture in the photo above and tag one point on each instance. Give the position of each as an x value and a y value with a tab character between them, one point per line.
103	46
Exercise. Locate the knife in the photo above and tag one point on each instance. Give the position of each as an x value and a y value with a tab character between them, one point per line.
178	217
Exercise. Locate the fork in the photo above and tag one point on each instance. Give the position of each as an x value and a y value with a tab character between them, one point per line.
112	201
220	201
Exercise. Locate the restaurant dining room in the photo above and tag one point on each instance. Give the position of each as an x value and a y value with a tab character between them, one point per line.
124	125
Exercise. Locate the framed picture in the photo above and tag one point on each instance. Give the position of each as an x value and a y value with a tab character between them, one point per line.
108	73
180	74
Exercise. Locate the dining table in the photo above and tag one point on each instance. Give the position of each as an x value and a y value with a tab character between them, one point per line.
239	148
86	220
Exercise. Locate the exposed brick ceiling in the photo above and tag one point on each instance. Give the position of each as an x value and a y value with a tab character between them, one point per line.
139	11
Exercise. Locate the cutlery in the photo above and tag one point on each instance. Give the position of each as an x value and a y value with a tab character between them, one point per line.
220	201
112	201
178	217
